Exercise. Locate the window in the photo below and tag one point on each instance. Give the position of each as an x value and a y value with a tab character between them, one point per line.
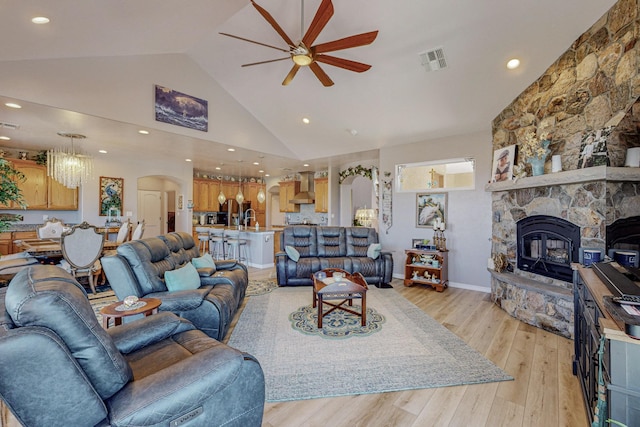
439	175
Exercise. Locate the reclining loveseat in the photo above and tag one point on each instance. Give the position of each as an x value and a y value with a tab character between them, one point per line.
139	269
60	368
306	249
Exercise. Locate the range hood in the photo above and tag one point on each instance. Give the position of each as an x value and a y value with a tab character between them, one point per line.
306	194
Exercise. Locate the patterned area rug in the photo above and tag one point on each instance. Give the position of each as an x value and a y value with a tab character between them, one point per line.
261	287
337	324
410	351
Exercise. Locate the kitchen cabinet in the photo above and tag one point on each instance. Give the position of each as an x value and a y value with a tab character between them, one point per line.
205	195
60	197
288	189
426	268
41	192
6	243
322	194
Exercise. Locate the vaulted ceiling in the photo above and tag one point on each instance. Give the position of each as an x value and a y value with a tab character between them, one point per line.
395	102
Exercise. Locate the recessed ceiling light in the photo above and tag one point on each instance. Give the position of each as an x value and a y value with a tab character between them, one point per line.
305	120
353	132
513	63
13	105
261	171
187	160
266	174
102	151
306	165
256	163
5	138
40	20
143	132
218	168
231	149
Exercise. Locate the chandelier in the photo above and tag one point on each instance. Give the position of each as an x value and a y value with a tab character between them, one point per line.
69	168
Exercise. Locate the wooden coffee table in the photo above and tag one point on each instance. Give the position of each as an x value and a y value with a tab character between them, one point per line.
347	288
112	311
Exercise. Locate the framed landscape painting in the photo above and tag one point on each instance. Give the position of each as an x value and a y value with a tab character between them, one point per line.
111	196
429	207
180	109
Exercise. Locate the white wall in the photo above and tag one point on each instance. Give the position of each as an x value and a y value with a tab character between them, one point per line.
468	212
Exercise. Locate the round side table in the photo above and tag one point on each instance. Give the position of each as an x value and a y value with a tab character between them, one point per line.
110	312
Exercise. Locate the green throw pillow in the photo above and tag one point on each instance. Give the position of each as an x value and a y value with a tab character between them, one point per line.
292	253
205	261
374	250
182	279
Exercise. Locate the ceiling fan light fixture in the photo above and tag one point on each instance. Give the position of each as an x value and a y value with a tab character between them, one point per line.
302	59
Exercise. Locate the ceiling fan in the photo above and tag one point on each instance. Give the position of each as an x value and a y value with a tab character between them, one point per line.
304	53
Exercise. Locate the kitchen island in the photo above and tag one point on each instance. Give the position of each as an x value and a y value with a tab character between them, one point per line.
259	244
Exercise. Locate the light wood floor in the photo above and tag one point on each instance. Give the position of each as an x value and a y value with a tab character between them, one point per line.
544	392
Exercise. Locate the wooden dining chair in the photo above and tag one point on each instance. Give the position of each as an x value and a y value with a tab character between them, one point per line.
81	248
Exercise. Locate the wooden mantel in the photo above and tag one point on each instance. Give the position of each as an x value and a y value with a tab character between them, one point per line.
596	173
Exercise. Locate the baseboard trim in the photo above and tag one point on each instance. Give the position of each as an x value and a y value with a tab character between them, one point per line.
484	289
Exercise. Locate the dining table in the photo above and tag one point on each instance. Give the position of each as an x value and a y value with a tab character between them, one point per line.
52	247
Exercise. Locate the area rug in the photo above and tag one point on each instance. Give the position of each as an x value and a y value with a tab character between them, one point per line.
409	351
260	287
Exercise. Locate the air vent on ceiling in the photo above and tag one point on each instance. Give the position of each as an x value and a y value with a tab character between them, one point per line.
433	60
6	125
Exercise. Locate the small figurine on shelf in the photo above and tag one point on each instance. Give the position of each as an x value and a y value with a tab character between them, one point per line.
438	235
415	274
427	275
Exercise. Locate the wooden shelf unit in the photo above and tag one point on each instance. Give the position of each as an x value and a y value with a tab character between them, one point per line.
414	272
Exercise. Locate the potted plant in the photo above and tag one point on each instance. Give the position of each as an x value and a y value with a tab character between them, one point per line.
9	190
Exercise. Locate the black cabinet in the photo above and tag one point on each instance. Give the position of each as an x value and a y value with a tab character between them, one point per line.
621	359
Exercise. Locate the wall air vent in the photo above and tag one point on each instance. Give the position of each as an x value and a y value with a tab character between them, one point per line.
5	125
433	60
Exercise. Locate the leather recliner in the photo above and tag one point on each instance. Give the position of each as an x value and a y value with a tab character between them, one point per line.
139	266
60	368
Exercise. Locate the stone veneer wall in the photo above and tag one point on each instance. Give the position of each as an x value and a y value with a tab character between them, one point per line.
594	84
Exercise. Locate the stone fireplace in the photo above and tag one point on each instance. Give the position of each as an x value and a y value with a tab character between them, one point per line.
592	89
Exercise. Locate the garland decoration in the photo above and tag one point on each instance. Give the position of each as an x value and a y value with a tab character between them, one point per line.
353	171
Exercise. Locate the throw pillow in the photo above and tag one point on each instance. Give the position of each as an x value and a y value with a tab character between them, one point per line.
374	250
292	253
182	279
205	261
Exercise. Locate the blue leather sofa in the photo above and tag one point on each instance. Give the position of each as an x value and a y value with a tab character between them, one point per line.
60	368
331	247
139	266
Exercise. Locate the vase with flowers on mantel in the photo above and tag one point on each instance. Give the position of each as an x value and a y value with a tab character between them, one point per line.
538	156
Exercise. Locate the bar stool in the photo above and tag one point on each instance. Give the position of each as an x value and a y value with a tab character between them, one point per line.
216	243
236	247
203	238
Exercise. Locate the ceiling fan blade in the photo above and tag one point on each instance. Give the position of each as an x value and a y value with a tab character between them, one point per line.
324	13
347	42
291	75
253	41
347	64
320	74
265	62
273	23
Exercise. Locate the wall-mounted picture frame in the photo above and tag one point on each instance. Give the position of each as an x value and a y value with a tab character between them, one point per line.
180	109
415	243
503	159
180	202
111	196
429	207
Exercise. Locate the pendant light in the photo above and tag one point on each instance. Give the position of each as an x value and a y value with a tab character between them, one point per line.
240	196
70	168
221	197
261	196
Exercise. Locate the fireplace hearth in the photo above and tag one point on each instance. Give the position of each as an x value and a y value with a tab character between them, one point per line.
547	246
